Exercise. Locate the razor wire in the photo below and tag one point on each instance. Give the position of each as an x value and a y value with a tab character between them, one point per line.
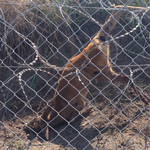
74	70
35	48
60	8
56	68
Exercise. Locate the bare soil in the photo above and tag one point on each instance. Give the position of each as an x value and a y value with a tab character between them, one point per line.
111	124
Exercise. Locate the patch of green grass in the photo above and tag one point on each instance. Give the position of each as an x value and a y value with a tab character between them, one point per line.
141	3
16	144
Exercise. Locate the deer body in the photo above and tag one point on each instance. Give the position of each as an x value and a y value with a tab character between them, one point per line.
93	62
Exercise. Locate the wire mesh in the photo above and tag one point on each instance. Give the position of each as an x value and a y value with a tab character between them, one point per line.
54	94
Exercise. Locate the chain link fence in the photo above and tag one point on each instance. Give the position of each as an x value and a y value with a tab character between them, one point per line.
46	104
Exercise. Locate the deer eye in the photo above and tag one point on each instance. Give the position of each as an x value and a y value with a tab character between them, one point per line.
96	72
76	104
102	38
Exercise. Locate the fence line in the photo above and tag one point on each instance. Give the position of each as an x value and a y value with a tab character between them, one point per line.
37	39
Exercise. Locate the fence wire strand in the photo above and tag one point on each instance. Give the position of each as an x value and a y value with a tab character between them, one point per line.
37	40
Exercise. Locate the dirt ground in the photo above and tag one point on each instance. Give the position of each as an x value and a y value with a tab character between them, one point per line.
110	125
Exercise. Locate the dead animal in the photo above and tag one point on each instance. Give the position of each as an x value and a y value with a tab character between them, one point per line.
92	62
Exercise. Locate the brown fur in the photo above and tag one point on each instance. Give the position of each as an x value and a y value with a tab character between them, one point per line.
70	93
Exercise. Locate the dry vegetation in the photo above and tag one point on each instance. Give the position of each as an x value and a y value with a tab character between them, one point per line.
113	123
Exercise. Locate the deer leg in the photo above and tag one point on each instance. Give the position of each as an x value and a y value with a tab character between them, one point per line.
108	26
102	36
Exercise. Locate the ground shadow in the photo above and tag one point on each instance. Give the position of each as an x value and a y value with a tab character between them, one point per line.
77	137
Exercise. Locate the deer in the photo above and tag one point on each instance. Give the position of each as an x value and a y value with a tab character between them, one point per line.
92	63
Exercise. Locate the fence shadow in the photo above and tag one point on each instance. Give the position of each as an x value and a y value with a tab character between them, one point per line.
88	137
